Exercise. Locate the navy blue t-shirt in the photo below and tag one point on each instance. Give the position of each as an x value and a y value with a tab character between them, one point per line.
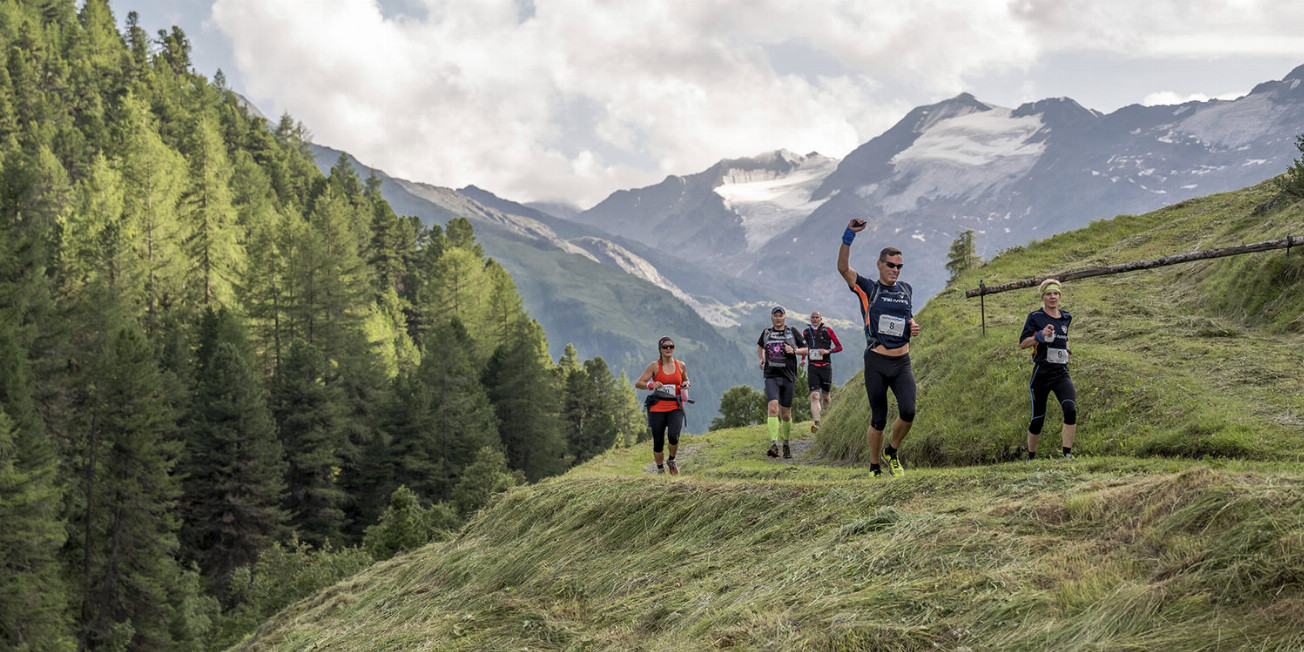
1044	352
888	320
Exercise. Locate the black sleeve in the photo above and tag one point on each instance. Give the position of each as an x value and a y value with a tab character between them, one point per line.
801	341
760	341
1029	328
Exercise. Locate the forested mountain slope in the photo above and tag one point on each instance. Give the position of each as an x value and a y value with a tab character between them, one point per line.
225	377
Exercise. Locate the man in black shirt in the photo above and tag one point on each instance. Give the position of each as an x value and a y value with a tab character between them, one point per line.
778	348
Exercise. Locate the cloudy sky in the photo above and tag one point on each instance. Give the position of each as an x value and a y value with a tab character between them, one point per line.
569	100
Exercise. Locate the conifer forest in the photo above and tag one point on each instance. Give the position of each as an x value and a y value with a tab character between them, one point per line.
226	379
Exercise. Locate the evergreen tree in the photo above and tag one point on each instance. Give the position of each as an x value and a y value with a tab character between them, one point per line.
406	525
442	416
233	463
130	498
211	240
152	176
32	592
631	421
307	417
1292	182
518	381
486	476
590	409
962	256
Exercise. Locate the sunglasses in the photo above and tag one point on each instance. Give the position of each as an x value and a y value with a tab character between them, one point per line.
668	346
894	265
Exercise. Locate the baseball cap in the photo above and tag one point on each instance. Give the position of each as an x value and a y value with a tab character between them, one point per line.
778	309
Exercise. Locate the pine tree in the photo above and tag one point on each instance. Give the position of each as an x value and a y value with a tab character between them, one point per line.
1292	182
519	383
590	409
152	175
631	421
486	476
208	219
442	416
234	465
130	499
32	592
307	418
962	256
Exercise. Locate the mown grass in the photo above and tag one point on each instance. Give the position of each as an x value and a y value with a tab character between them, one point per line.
1181	527
1106	553
1193	360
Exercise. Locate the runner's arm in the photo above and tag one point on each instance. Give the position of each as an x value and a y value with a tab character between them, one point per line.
1026	338
645	381
844	253
837	346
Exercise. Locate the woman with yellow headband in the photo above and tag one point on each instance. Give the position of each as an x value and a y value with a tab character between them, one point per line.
1047	332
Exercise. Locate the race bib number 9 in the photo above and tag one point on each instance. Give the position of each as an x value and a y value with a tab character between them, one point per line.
889	325
1057	356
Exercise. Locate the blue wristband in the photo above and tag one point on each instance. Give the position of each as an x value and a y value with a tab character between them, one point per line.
1036	337
848	236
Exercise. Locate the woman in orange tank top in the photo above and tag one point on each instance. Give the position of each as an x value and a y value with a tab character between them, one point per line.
666	379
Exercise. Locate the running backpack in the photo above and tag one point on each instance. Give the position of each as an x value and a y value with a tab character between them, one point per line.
774	353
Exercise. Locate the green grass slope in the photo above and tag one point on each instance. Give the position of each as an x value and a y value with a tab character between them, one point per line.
1182	529
1193	359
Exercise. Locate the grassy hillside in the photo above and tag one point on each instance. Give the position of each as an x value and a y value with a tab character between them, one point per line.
1194	359
741	552
1181	528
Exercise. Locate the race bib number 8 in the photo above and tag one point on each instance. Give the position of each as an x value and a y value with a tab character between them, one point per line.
889	325
1057	356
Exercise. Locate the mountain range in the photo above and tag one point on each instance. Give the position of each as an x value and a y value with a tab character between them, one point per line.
1011	175
702	256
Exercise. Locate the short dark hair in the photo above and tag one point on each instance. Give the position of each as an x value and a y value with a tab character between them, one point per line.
888	251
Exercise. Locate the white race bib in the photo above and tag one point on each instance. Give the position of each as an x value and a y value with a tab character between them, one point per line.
666	391
815	354
889	325
1057	356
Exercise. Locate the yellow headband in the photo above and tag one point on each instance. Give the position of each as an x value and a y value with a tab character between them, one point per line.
1052	286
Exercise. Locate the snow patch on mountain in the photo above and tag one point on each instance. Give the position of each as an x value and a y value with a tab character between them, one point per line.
963	157
770	202
626	260
1233	124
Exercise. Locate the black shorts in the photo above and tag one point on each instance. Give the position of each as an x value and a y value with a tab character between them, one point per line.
780	388
884	372
820	377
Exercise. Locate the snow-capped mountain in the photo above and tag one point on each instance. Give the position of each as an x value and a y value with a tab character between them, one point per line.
1011	174
721	214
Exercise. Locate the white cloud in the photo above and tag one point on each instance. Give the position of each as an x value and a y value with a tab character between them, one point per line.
581	97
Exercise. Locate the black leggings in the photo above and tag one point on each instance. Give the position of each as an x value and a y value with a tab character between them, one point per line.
663	424
881	373
1046	379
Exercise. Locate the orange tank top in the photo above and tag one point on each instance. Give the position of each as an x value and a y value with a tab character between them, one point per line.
676	379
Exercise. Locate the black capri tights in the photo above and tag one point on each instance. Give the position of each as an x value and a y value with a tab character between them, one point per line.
883	372
1042	384
665	425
